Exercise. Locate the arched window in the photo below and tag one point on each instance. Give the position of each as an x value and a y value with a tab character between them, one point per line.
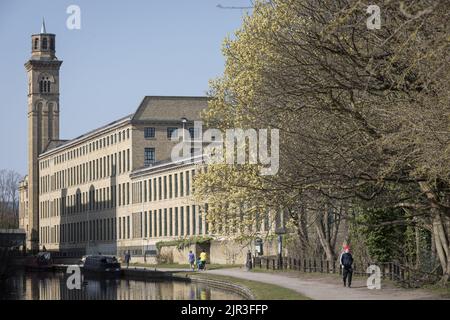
36	43
44	43
44	85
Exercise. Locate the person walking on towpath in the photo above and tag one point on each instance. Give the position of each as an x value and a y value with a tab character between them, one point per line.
346	261
203	258
127	258
191	258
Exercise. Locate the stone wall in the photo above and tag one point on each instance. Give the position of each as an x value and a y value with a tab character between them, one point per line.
172	254
219	252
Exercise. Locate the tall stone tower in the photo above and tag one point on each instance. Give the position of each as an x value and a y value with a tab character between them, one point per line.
43	117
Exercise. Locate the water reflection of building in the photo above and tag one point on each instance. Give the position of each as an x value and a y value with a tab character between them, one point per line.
49	289
53	286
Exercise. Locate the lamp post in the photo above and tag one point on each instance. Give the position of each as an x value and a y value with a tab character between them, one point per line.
279	232
144	233
184	121
88	232
143	249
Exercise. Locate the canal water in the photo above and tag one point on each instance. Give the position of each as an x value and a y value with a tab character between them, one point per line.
52	286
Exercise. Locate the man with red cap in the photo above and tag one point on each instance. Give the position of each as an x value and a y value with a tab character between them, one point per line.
346	261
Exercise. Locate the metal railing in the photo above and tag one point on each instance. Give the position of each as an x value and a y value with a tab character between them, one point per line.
389	270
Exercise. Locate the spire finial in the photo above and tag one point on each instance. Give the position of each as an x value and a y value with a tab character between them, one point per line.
43	26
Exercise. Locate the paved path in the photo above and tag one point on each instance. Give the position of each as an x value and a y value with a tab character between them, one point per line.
326	287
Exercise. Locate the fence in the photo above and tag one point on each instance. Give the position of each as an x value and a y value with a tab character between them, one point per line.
389	270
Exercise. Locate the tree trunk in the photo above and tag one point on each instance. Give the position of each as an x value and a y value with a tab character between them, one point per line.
433	246
441	230
326	245
441	247
417	235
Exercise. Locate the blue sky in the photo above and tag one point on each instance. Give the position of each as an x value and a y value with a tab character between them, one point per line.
124	51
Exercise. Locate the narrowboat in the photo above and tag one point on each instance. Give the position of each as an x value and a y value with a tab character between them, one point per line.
101	264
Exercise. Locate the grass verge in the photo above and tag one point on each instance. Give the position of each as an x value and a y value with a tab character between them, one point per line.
439	290
261	291
182	266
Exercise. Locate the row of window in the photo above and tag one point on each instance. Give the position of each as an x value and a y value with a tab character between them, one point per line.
160	188
89	147
149	132
168	222
77	232
99	199
105	167
164	187
176	221
150	155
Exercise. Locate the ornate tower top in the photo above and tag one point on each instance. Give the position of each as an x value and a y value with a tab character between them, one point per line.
43	26
43	45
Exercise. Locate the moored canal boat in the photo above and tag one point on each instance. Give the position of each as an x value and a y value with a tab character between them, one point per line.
101	264
40	262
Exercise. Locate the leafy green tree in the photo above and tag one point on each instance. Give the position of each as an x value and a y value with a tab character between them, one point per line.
383	239
359	112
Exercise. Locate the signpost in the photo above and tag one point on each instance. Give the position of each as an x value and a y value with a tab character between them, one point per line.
259	246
